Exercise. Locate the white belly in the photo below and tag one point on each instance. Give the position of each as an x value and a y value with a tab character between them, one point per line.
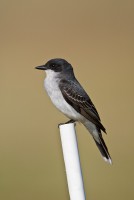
51	86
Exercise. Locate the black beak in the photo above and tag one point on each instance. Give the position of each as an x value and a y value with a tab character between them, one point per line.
42	67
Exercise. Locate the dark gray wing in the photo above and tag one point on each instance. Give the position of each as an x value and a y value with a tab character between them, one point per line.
75	95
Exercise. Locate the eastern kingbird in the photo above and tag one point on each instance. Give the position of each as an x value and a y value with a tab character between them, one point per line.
70	98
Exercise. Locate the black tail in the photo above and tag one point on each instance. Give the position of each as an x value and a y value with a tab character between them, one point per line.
103	149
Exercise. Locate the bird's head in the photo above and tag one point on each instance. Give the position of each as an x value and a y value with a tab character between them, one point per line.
56	65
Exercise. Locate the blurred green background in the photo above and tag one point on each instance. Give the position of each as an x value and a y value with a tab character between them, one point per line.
97	38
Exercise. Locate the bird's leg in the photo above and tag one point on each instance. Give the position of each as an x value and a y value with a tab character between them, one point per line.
68	122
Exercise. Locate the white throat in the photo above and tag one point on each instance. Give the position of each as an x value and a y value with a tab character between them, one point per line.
50	74
51	82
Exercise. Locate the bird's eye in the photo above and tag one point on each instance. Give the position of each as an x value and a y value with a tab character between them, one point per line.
53	65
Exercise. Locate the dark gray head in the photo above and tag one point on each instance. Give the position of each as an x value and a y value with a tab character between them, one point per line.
57	65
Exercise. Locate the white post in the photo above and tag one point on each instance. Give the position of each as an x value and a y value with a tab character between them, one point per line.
72	162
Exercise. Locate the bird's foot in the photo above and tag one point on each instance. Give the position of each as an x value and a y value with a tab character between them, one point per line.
68	122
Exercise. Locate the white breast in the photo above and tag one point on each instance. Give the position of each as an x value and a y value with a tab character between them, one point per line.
51	85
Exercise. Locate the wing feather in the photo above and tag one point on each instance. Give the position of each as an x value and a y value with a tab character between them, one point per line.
80	101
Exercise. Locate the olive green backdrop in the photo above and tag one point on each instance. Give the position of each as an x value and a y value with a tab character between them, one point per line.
97	38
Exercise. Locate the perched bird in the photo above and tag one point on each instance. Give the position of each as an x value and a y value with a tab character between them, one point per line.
70	98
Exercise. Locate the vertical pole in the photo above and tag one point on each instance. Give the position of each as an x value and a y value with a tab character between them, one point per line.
72	161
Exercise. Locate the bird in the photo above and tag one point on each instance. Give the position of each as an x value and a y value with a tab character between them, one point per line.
67	94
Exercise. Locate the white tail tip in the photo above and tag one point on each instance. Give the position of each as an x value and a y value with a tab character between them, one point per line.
108	160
